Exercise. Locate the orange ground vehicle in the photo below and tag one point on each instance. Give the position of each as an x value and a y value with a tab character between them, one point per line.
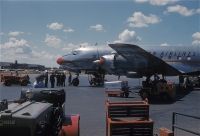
8	80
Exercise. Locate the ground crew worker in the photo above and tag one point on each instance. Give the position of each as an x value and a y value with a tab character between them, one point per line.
28	78
63	78
16	72
52	80
70	79
46	79
58	77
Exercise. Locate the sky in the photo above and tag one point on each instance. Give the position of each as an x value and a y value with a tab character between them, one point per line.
40	31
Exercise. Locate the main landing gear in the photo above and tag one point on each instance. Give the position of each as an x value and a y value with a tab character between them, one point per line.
96	79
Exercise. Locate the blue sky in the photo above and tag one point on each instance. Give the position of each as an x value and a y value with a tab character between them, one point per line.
40	31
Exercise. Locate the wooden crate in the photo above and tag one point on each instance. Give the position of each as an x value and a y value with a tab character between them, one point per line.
130	128
114	93
136	109
128	118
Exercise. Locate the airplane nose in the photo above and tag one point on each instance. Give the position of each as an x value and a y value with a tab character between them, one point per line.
60	60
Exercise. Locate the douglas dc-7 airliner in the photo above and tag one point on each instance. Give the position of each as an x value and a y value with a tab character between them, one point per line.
133	61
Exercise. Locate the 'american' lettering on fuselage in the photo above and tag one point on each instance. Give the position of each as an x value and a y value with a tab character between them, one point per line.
171	54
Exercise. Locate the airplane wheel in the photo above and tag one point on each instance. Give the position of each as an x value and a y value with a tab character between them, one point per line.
75	82
126	94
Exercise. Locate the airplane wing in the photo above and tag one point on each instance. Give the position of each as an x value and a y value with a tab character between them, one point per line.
186	69
147	63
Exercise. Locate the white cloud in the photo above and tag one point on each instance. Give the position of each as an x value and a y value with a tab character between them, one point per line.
70	46
15	33
15	49
157	2
84	44
68	30
141	1
198	11
55	26
97	27
162	2
52	40
1	33
138	19
128	37
184	11
43	55
14	43
196	38
21	50
164	44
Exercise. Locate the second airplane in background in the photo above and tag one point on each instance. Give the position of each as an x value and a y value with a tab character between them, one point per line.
132	61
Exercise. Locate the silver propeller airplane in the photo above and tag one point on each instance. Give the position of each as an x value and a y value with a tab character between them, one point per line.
133	61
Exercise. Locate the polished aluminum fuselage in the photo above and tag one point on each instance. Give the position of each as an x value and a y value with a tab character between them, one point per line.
84	57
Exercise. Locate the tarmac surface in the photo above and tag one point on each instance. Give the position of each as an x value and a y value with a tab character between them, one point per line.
89	102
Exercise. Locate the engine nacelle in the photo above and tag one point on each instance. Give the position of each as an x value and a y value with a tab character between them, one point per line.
106	62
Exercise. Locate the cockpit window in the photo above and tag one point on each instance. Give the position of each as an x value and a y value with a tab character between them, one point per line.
75	52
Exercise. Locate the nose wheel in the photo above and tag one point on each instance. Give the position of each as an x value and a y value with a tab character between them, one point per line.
75	82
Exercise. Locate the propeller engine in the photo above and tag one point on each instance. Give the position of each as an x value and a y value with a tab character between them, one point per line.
106	62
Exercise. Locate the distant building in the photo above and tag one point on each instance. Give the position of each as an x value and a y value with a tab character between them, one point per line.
16	65
4	65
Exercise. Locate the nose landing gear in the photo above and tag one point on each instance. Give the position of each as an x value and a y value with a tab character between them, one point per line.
75	81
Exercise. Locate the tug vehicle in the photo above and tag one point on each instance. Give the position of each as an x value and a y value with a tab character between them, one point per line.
39	112
162	90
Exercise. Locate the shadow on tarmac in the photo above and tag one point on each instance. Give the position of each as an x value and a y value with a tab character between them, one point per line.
90	86
179	97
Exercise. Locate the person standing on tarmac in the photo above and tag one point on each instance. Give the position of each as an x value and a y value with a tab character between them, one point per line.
58	79
63	77
46	79
16	72
52	80
69	79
